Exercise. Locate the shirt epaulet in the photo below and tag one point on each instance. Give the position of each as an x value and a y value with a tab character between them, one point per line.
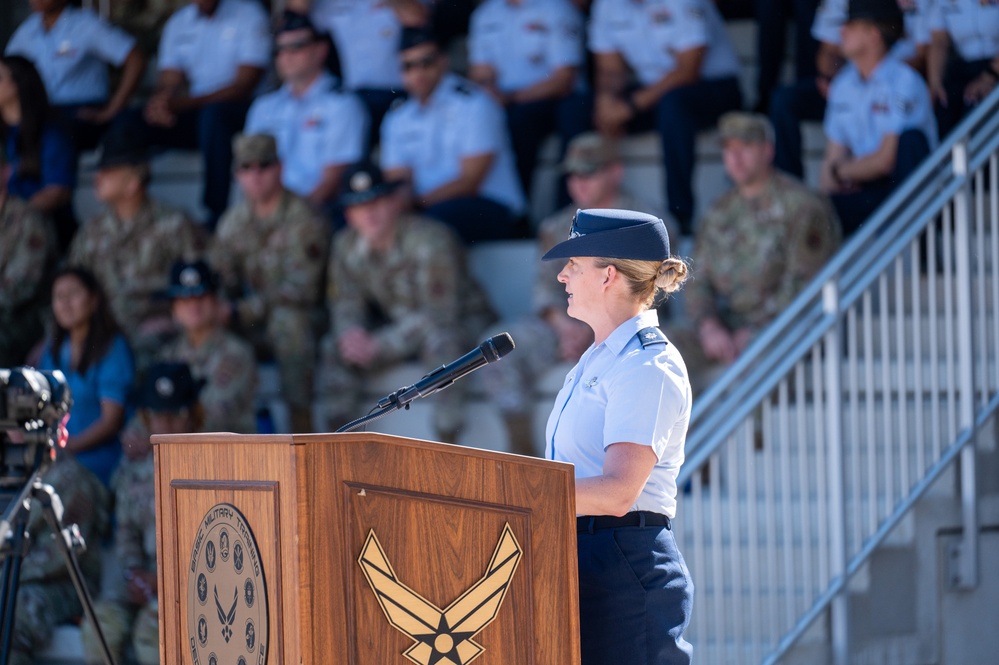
651	335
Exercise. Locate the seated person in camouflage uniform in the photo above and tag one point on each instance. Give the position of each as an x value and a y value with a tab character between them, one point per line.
132	244
399	290
270	250
757	248
221	359
29	253
594	173
168	404
224	362
46	596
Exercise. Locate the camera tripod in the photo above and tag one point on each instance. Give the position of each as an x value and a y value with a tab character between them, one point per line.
14	545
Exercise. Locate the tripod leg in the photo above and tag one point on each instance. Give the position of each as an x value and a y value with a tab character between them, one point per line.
69	538
13	548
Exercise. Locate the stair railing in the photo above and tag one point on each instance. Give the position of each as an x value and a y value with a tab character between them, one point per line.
820	438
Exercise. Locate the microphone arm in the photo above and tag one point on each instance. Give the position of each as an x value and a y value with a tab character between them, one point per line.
489	351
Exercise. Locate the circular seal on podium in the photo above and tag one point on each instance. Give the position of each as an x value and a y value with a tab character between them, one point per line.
226	593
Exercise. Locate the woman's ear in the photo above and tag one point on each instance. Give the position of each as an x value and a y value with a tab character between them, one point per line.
610	273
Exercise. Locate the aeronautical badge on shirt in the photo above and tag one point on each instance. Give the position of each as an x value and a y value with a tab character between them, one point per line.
226	594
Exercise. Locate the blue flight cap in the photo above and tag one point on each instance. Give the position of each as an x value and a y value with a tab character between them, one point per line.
614	234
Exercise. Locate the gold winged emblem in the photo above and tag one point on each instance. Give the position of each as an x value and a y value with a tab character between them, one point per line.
443	637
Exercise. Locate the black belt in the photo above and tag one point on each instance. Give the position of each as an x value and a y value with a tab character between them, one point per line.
590	523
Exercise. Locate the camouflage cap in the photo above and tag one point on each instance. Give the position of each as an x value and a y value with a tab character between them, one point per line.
254	149
588	153
748	127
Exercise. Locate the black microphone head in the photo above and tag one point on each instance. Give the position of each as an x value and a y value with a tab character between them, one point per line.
496	347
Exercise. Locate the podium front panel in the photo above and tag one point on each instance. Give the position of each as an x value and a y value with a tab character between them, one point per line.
376	550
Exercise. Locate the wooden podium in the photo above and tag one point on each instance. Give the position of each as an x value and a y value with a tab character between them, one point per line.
362	549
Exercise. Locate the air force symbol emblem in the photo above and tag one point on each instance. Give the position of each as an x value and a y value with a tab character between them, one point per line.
443	637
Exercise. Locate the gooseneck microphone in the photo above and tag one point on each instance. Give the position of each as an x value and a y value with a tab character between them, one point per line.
489	351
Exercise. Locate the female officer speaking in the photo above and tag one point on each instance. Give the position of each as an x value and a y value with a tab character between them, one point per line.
621	419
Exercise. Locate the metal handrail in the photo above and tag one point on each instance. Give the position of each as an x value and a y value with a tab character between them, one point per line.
851	267
800	458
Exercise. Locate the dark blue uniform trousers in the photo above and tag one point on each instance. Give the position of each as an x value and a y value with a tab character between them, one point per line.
635	597
679	115
209	130
475	218
854	208
790	106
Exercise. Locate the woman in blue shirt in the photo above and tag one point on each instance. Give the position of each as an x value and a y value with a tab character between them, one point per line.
621	418
88	347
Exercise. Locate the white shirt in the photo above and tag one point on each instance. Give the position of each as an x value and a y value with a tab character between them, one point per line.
831	15
324	127
209	50
366	33
622	392
525	43
860	113
648	34
72	57
973	26
459	120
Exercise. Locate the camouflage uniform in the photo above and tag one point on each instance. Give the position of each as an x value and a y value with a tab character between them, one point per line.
752	257
132	260
135	548
418	300
274	268
46	596
511	382
28	254
230	371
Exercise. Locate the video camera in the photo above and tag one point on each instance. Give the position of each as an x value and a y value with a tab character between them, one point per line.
32	406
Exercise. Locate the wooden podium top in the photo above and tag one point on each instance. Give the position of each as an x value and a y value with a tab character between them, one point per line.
364	540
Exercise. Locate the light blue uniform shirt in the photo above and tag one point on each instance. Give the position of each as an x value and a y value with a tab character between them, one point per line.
73	56
649	34
459	120
831	15
324	127
973	26
622	392
860	113
525	43
366	33
209	50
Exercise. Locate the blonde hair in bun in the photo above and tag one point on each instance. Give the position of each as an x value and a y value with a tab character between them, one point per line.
648	279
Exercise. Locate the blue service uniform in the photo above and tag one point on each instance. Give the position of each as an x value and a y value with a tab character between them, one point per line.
324	127
801	101
524	44
208	51
633	388
458	120
72	56
771	43
973	28
72	59
366	34
648	35
893	100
